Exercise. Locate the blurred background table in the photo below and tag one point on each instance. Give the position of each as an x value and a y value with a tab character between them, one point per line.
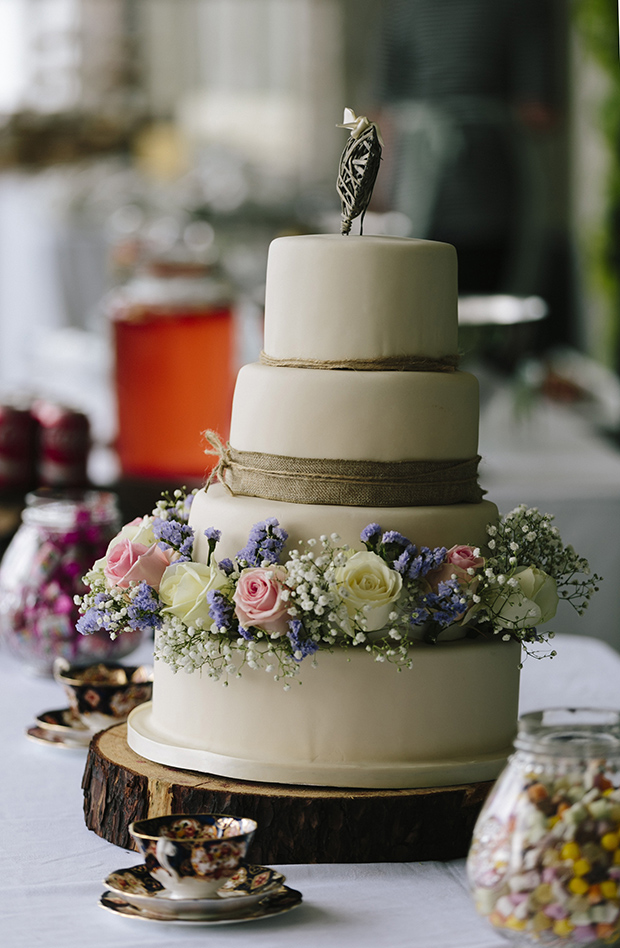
551	457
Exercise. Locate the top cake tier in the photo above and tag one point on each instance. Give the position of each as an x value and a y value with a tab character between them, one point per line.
332	298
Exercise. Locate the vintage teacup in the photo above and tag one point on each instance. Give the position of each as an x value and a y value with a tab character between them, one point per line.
103	694
192	856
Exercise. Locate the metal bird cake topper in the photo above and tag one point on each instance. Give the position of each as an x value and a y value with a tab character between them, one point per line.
358	168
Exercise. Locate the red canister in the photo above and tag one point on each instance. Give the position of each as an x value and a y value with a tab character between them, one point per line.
174	367
64	445
18	450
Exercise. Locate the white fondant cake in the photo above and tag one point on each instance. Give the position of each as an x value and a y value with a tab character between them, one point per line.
352	723
363	297
431	526
388	416
451	718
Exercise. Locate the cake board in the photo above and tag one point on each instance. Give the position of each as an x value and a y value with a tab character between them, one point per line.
296	824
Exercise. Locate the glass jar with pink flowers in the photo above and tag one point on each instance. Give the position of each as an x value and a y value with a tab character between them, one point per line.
61	536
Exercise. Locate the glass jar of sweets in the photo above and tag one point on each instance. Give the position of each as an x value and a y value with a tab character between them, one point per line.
544	865
61	535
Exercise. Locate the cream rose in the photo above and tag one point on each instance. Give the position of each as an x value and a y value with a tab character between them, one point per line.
533	601
139	530
367	580
184	588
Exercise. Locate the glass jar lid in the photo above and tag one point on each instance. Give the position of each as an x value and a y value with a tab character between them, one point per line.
63	509
570	732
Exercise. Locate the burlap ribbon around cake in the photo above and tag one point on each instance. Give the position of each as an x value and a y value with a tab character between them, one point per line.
344	483
379	364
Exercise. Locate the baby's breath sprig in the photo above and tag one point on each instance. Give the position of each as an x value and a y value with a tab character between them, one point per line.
170	524
525	544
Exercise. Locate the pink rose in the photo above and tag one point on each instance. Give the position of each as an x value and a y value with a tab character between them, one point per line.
258	600
129	562
458	560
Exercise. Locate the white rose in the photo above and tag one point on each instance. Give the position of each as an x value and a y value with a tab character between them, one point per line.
139	530
95	574
184	588
533	601
367	580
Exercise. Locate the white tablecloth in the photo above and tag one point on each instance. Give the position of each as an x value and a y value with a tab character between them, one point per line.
52	867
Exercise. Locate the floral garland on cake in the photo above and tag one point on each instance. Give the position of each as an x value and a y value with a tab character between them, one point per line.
268	609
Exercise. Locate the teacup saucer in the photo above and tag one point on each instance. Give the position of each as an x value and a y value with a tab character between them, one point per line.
62	724
282	900
64	721
42	735
237	895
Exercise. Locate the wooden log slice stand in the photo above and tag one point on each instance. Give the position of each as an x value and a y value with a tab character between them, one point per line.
295	824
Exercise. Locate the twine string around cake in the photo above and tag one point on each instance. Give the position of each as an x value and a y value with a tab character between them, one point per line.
343	482
394	363
215	447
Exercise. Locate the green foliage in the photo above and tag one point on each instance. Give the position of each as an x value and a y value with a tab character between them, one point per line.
597	24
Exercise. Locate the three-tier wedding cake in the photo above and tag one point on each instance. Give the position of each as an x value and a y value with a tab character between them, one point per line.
355	415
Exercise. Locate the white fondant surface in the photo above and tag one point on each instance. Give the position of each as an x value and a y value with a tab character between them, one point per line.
352	722
334	297
424	526
364	416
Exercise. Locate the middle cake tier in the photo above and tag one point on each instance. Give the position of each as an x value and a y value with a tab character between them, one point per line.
448	525
374	416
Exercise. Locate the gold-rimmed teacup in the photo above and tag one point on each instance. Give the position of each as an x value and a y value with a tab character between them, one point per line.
192	856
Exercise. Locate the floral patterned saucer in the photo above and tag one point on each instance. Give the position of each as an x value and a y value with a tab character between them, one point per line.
64	721
249	885
42	735
281	900
60	728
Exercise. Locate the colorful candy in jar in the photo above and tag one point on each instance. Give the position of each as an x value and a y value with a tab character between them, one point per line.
545	860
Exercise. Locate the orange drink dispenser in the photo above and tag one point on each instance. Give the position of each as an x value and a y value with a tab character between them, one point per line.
173	340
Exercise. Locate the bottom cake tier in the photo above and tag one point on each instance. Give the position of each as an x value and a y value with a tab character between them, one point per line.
352	722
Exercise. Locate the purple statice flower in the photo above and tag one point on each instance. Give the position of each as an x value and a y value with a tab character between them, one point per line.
227	566
435	557
143	611
265	543
299	644
393	545
246	634
412	564
419	614
87	623
213	538
222	611
450	605
402	563
393	536
175	535
370	536
94	619
444	606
